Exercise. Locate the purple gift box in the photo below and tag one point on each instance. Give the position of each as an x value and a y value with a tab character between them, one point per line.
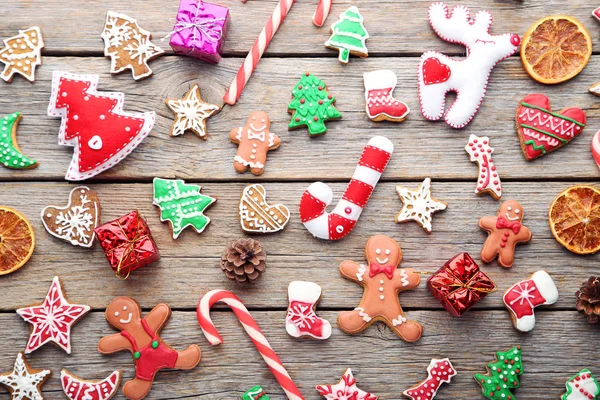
200	30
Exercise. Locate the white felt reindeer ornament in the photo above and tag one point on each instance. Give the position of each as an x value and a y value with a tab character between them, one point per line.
439	74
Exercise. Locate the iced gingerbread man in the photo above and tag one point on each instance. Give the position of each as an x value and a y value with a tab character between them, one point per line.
505	230
141	337
382	281
254	141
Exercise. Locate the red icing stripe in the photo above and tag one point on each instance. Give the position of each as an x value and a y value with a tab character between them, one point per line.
374	158
358	193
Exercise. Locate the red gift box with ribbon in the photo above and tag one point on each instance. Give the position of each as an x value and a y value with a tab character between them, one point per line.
127	243
459	284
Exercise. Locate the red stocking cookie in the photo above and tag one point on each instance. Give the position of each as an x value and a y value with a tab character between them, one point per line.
255	139
141	337
301	319
440	74
76	388
504	232
381	105
95	124
382	281
522	297
438	372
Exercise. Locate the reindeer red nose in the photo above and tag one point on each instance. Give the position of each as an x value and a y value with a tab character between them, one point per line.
515	40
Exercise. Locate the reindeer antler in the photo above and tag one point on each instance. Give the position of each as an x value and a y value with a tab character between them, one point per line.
458	27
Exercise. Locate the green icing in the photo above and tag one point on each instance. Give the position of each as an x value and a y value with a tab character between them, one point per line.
182	205
256	393
503	375
348	35
535	147
10	155
554	114
312	105
543	132
592	387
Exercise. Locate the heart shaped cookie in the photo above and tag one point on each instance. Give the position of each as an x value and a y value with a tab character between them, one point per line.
74	223
542	131
257	216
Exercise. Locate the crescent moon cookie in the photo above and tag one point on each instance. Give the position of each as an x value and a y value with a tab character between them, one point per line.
76	388
10	153
74	223
258	216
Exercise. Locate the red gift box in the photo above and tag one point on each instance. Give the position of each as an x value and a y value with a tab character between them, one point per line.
127	243
459	284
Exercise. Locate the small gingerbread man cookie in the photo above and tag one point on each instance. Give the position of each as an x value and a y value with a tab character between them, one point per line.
504	232
254	139
382	281
141	337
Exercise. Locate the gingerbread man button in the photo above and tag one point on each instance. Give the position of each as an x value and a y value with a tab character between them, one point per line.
382	281
141	337
504	232
254	141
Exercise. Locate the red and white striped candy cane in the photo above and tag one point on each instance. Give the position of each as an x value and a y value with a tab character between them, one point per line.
266	35
322	12
339	223
251	327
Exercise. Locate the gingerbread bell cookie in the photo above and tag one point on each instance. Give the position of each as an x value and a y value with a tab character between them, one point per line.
140	335
128	45
10	152
382	281
24	382
76	222
21	54
76	388
191	113
505	231
254	140
258	216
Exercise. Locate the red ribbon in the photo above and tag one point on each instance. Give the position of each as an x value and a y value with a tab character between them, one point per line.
503	223
387	270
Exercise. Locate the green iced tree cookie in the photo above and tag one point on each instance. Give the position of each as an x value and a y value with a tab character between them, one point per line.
312	105
348	35
182	205
503	375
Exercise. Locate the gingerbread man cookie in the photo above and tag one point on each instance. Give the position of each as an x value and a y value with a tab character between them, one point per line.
382	281
141	337
254	139
504	232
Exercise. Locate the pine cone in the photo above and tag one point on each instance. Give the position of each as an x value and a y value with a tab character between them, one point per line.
588	299
244	260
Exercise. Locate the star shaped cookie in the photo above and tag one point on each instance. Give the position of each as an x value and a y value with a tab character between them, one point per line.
418	205
345	389
25	382
191	113
52	320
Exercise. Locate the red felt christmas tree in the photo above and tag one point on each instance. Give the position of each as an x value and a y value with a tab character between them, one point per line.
95	124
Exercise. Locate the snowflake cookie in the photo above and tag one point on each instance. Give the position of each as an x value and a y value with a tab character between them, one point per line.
345	389
418	205
191	113
51	321
128	45
25	382
76	222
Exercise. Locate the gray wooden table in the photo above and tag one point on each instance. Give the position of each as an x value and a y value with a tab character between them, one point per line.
562	342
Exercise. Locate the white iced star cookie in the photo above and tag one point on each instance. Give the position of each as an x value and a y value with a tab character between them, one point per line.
191	113
418	205
25	382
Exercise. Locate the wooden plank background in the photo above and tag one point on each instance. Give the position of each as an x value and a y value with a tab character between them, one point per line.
562	342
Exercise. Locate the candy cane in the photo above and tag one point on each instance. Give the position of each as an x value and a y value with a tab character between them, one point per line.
266	35
339	223
596	148
322	12
251	327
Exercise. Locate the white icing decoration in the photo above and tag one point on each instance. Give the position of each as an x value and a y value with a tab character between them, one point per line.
404	277
191	113
23	384
480	151
259	215
361	272
418	205
79	389
546	120
252	164
332	43
33	58
363	314
399	321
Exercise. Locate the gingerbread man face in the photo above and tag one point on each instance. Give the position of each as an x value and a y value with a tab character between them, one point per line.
121	311
254	139
504	232
383	251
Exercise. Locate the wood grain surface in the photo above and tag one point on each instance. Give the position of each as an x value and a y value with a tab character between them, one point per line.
562	342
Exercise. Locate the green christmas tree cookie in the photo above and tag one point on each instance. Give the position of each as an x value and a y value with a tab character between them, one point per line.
503	375
348	35
256	393
182	205
312	105
10	153
582	386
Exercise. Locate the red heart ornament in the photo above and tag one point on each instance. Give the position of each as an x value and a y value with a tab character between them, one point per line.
435	71
542	131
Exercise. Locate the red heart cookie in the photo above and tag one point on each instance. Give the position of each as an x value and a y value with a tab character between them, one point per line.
74	223
542	131
435	72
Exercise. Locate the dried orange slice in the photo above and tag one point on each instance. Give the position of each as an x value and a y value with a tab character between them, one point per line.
17	240
555	49
574	218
